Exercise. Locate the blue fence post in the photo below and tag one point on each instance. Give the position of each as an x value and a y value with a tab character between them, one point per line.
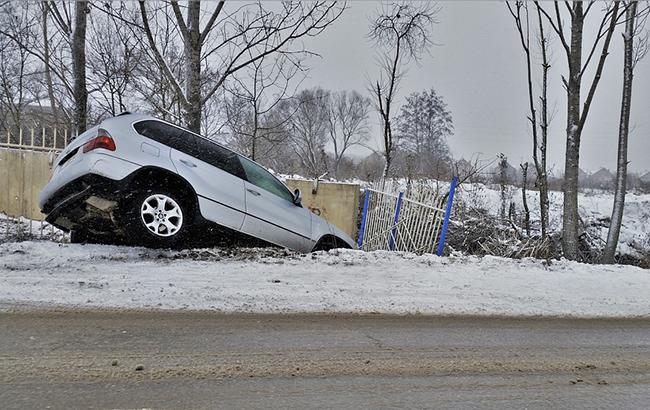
362	228
393	232
445	223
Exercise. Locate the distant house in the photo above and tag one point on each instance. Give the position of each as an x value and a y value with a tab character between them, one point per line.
602	178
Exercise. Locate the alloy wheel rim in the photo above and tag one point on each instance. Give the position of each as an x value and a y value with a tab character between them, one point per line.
161	215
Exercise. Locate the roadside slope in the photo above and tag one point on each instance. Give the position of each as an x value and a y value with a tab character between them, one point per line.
275	281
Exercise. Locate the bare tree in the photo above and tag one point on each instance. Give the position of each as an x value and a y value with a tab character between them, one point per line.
503	183
348	124
14	71
112	60
577	115
244	35
79	66
520	14
403	31
59	51
254	94
524	196
631	57
307	128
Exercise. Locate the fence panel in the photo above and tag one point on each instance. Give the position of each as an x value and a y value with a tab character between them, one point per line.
22	229
397	222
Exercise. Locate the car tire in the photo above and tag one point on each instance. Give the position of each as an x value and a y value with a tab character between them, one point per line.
157	217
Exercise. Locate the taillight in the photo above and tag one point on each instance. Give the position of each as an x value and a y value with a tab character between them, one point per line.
102	140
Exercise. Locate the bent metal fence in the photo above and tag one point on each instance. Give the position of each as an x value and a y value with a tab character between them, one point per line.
397	223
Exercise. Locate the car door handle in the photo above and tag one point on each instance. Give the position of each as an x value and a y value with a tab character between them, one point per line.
254	192
188	163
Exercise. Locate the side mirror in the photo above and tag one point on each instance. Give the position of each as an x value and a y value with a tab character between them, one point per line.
297	197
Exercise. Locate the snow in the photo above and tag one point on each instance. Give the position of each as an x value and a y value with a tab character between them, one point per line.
595	208
47	274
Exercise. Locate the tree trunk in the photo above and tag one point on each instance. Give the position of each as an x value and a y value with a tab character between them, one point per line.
623	131
524	197
46	60
192	50
79	67
388	145
570	218
542	176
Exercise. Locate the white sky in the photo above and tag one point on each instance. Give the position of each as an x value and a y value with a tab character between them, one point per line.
479	69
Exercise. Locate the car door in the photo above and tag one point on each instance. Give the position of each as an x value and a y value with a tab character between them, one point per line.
270	212
215	174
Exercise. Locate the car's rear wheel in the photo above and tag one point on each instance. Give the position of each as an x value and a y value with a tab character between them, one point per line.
157	217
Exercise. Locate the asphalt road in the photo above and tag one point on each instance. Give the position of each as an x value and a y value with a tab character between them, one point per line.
202	360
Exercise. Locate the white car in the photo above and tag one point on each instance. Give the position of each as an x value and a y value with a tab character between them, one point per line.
138	179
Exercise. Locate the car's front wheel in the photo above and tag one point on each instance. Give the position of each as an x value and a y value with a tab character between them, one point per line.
157	217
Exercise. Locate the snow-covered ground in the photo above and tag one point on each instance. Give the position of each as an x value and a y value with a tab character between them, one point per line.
595	207
270	280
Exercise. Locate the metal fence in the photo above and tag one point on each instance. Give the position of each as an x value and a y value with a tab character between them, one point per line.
417	223
22	229
42	139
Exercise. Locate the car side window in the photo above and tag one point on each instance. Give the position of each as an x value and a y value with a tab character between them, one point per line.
160	132
262	178
218	156
192	145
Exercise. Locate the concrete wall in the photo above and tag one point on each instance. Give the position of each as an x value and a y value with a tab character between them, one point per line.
335	202
23	174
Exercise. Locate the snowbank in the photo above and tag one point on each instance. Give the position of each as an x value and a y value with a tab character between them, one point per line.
265	281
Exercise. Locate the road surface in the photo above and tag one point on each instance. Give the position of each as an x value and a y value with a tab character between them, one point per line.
205	360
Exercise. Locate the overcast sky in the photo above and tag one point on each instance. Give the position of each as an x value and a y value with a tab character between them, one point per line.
479	69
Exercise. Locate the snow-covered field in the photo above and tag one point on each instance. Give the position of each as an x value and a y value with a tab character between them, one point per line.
45	274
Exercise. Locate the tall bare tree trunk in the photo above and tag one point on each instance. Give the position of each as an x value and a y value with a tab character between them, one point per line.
79	67
570	220
623	131
540	166
46	60
192	50
524	197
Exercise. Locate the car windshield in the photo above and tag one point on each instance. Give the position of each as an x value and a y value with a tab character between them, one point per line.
262	178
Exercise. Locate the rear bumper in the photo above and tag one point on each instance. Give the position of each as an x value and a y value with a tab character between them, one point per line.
81	166
67	208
